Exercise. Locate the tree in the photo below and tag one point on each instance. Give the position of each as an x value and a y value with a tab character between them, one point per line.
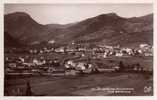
121	66
28	89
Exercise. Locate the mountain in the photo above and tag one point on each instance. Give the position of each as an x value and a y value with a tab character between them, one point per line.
24	28
109	29
9	41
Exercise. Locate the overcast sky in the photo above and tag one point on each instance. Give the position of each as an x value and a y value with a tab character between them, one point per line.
69	13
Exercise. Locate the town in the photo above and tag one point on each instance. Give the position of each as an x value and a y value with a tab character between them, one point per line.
74	59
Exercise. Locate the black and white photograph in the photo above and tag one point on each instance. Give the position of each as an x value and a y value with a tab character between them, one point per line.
78	49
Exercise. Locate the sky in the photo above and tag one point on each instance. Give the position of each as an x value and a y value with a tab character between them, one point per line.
70	13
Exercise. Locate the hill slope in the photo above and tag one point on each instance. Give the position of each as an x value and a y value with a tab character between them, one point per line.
109	29
9	41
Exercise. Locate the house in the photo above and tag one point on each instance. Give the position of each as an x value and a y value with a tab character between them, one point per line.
148	54
28	64
61	50
41	51
80	66
12	65
81	49
105	54
119	54
21	59
127	51
145	46
70	65
51	41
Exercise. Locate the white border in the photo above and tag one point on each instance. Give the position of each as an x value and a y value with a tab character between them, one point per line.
77	97
78	1
1	49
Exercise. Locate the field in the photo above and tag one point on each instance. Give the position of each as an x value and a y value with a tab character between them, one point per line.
146	62
89	84
82	85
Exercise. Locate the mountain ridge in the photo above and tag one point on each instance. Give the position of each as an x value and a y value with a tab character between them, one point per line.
108	29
